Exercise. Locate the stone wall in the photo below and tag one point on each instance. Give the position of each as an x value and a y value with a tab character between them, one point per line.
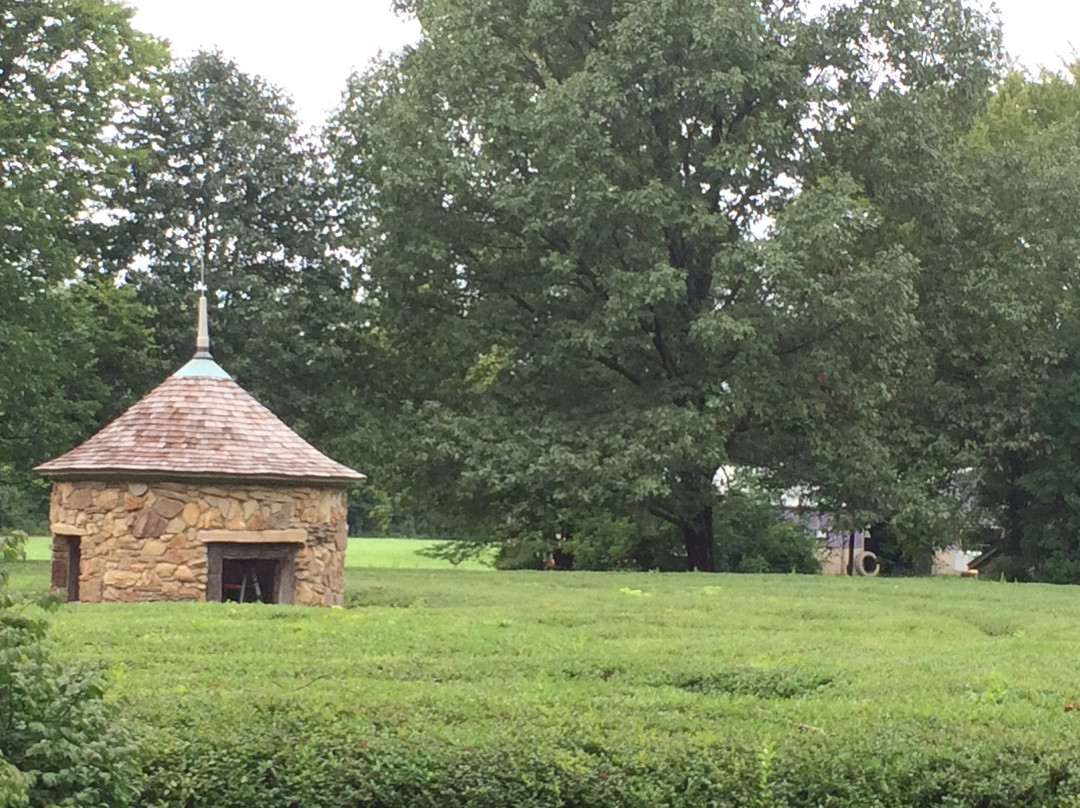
147	541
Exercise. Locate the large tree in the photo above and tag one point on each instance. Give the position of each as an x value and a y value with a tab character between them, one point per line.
1021	167
988	207
229	185
613	248
69	72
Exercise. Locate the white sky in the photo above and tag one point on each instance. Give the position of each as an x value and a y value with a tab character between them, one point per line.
308	49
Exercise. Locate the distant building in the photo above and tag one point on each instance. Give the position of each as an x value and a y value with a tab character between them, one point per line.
198	492
844	552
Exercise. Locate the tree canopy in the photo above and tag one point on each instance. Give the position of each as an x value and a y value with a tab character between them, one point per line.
68	73
548	272
623	245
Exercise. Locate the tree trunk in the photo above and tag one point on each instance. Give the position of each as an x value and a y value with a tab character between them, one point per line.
1017	502
698	538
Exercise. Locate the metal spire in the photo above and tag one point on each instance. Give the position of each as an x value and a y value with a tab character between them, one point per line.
202	364
202	336
202	333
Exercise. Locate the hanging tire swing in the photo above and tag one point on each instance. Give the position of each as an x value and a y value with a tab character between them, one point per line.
866	564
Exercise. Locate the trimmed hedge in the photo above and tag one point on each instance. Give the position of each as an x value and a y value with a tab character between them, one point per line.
288	760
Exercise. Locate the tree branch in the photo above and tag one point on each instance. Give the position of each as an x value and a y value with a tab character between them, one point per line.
661	512
667	361
612	363
522	302
798	346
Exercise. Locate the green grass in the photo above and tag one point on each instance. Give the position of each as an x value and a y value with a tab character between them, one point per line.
691	655
28	576
457	652
934	677
362	552
401	554
38	548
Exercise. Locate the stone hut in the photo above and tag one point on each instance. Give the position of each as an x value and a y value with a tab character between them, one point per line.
198	492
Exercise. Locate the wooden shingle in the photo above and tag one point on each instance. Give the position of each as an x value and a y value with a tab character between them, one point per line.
198	423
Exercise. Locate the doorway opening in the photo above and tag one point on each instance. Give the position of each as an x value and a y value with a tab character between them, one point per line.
244	572
66	559
74	562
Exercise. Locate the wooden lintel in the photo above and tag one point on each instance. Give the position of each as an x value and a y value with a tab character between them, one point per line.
293	536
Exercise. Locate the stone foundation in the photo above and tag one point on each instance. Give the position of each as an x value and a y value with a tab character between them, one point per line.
148	541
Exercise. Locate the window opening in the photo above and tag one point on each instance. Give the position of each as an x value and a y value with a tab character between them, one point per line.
248	580
244	572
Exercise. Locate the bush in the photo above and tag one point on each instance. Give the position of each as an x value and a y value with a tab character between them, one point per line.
283	759
594	541
14	786
751	536
605	542
60	743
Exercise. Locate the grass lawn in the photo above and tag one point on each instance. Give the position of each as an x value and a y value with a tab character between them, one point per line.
453	653
400	554
364	552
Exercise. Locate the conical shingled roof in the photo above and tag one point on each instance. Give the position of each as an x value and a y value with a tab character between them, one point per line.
199	423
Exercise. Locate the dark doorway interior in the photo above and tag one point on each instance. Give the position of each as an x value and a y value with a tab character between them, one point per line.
248	580
74	554
251	572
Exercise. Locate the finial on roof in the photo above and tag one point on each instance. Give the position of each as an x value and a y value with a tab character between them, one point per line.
202	337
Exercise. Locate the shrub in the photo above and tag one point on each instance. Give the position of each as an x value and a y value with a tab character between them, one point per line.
60	743
283	759
14	786
606	542
594	541
751	536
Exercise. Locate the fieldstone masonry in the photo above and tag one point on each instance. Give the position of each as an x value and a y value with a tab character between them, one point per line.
197	491
149	541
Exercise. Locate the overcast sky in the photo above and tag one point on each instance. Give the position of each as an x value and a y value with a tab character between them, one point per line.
309	48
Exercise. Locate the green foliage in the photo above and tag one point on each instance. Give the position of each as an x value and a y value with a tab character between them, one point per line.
92	357
14	786
322	762
72	348
762	683
60	743
1023	165
563	212
530	688
223	179
1046	539
596	541
603	543
23	500
12	548
55	727
751	536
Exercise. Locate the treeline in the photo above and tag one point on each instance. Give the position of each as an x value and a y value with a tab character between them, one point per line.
547	272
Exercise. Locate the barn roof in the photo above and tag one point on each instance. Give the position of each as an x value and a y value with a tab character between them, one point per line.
199	423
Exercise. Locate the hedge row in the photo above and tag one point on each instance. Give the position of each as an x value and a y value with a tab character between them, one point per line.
289	761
